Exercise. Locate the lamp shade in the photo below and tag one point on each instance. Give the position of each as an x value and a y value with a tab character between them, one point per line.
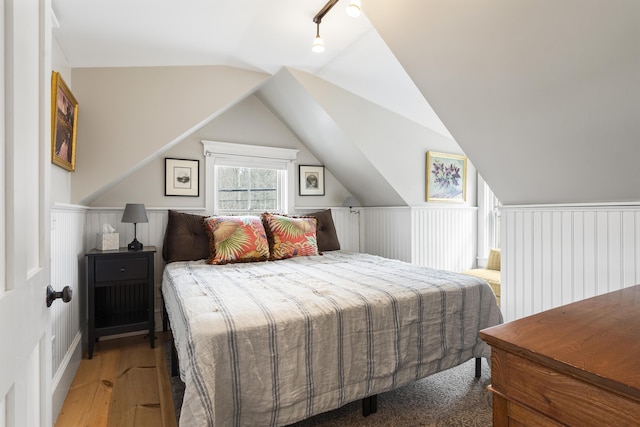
135	213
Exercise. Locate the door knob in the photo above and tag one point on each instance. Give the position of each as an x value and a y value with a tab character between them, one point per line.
52	295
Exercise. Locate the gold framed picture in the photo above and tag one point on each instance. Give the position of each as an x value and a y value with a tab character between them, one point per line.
446	177
64	124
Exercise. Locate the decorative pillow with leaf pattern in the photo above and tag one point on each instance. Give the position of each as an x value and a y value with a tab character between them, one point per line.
236	239
290	237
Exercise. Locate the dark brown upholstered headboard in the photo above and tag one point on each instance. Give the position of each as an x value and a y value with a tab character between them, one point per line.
326	231
185	238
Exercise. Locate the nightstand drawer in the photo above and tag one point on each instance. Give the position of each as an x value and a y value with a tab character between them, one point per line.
109	270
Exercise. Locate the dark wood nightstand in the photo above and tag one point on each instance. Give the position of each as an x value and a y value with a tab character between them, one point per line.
120	292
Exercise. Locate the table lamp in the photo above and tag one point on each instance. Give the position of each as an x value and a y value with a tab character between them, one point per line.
135	213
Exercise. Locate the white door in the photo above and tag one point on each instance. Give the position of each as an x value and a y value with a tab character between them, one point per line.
25	349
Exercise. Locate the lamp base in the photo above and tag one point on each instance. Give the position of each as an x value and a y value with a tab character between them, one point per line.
135	245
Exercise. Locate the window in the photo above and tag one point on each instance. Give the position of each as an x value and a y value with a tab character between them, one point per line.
488	220
248	179
249	190
495	221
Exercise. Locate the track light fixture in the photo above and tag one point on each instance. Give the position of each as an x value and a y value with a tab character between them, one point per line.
318	44
353	10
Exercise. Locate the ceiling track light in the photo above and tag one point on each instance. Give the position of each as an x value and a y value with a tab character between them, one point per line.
354	9
318	44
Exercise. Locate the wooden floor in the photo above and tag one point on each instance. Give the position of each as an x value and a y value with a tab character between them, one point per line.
125	384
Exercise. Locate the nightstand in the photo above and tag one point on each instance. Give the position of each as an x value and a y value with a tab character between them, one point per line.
120	292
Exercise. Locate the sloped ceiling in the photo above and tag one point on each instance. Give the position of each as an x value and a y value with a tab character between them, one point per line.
378	155
542	95
327	141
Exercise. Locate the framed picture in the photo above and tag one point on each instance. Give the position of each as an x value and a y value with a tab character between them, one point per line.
446	177
64	123
181	177
311	180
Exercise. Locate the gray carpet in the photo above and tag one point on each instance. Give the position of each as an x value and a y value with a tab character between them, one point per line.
450	398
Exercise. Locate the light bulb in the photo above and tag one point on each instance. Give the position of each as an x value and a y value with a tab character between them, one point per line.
318	44
354	8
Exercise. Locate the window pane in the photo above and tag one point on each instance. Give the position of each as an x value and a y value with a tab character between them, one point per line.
264	189
233	188
243	189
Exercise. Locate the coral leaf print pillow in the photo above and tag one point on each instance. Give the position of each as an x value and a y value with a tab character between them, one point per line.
236	239
290	237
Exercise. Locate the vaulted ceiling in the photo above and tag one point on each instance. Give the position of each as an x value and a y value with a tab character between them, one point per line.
543	96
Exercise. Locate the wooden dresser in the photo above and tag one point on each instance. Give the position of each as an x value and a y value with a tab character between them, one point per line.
575	365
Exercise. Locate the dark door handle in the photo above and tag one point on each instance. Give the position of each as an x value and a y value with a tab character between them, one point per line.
52	295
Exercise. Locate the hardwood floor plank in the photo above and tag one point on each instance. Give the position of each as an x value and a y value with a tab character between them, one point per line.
135	400
90	391
125	384
164	384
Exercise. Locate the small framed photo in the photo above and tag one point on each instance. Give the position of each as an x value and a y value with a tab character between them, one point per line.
181	177
64	123
311	180
446	177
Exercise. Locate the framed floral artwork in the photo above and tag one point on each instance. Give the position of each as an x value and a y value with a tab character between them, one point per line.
64	123
446	177
181	177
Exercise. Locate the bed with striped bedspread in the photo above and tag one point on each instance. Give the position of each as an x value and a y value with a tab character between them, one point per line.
272	343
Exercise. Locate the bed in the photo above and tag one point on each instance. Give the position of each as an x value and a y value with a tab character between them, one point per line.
275	342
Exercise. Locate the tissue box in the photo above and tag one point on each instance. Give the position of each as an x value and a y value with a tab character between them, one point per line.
107	241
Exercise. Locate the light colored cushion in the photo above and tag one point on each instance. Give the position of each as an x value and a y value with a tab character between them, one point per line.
236	239
492	277
290	237
493	262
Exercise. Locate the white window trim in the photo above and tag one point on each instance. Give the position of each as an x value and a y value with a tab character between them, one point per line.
488	219
216	152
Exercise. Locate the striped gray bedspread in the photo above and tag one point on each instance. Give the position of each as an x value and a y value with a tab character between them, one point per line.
271	343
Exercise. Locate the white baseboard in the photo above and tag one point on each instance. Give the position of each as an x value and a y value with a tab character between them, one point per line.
64	377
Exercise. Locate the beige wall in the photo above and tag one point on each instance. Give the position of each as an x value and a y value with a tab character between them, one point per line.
60	178
249	122
129	115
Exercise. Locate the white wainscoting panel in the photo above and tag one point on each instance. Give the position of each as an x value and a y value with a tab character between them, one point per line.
67	319
67	266
555	255
444	237
386	232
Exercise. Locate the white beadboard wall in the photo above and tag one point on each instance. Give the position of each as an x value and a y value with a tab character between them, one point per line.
555	255
67	320
437	236
386	232
444	237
